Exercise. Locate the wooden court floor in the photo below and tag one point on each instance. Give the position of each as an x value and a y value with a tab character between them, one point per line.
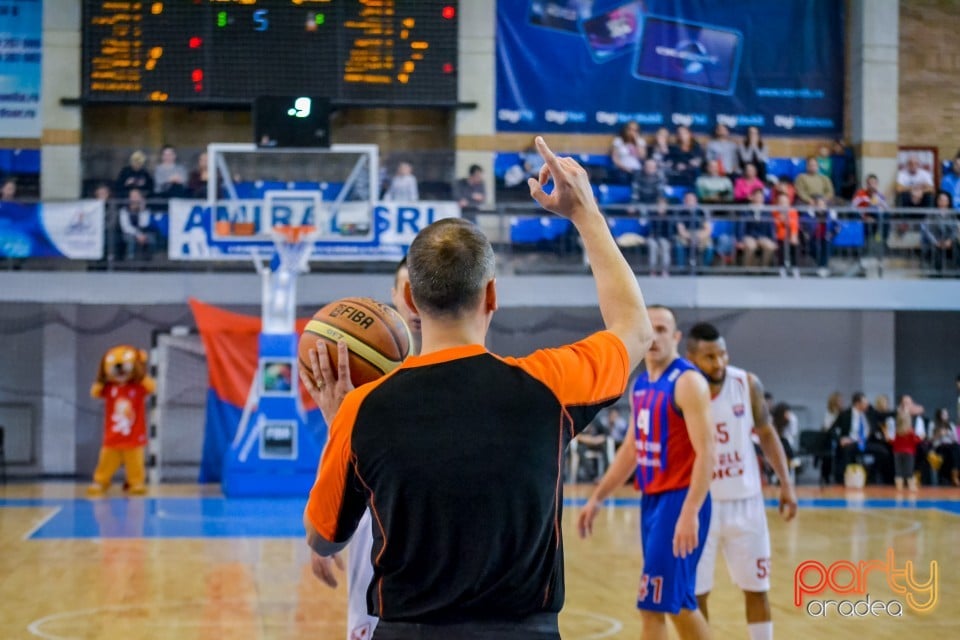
185	564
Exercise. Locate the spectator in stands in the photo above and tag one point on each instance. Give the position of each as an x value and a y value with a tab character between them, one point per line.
403	185
940	234
686	158
915	198
724	150
786	224
627	152
616	425
648	184
752	150
784	186
782	419
102	192
813	184
197	180
134	176
910	177
757	232
531	160
822	228
856	435
943	441
746	184
951	182
694	233
825	163
874	207
834	407
8	192
170	177
660	151
713	188
471	192
136	225
661	229
844	170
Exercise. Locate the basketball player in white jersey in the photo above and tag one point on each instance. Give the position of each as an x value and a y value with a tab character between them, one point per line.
738	525
333	389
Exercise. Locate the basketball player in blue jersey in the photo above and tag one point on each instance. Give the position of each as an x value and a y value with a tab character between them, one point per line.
670	450
360	624
738	526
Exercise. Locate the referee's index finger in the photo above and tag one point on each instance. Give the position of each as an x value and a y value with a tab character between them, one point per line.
547	155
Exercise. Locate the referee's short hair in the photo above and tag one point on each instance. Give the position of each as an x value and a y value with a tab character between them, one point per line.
450	264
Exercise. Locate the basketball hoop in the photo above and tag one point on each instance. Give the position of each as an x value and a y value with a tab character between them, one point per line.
294	246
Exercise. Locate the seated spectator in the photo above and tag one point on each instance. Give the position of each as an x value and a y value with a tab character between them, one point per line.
915	198
786	225
616	425
532	161
905	445
713	188
825	162
694	233
686	159
781	418
913	175
822	227
812	184
403	185
943	442
8	192
648	184
170	177
940	233
951	182
856	436
595	439
661	229
724	150
471	192
874	207
140	238
197	180
134	176
757	232
784	186
753	151
102	192
627	152
660	151
746	184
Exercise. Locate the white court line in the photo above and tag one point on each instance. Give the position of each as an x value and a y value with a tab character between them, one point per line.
616	626
44	520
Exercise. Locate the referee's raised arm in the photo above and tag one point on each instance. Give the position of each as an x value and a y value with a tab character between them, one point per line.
621	302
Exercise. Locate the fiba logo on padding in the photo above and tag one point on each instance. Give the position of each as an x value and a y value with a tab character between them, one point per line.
846	578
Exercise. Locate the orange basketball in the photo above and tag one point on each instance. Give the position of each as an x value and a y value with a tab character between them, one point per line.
375	333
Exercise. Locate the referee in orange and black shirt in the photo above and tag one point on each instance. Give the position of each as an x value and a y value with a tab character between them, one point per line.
459	452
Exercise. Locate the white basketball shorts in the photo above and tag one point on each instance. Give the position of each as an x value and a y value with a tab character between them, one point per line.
738	528
360	624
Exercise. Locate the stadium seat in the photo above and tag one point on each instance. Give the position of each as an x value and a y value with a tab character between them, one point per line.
850	234
613	193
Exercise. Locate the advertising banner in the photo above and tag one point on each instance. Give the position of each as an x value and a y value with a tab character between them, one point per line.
588	66
52	230
21	27
237	228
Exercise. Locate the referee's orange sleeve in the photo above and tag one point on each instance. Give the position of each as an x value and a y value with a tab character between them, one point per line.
330	488
588	372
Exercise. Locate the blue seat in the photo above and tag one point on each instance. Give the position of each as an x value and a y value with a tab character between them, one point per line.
786	167
594	160
525	230
502	161
623	226
554	227
249	190
850	234
613	193
674	193
722	228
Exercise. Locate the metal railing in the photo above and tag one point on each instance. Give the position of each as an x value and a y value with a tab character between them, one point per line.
742	240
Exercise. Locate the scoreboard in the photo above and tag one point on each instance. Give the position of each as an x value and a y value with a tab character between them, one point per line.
222	52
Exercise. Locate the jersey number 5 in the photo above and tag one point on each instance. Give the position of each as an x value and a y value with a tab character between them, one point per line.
723	436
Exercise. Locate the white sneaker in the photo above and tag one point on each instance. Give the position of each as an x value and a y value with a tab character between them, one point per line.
823	272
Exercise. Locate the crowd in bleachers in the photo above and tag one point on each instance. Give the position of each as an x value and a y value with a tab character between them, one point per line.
689	204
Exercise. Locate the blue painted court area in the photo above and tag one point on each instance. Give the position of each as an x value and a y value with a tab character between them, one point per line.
217	517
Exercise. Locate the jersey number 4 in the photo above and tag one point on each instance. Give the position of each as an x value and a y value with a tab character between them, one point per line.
643	421
647	583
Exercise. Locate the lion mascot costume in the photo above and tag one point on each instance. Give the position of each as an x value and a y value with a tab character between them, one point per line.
124	385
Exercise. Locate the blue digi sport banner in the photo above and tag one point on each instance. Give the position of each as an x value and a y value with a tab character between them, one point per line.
588	66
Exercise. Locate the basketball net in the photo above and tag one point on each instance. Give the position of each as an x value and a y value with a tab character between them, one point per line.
292	248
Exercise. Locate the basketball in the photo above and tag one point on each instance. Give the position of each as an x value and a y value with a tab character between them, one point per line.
376	335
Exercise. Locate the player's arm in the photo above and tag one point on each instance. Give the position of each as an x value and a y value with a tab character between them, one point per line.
693	399
621	303
772	447
623	466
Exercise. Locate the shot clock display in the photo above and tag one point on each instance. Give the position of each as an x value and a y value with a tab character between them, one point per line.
391	52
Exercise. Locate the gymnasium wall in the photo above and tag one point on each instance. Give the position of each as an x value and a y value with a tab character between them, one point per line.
49	356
